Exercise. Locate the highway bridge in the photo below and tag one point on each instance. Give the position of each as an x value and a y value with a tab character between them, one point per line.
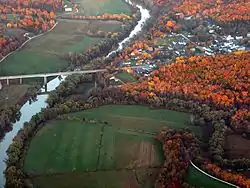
46	75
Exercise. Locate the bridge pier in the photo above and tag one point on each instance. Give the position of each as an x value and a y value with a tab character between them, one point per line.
20	81
45	87
45	83
94	78
45	75
45	80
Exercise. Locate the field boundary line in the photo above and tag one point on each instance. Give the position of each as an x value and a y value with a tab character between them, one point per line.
100	145
138	131
53	150
20	47
205	173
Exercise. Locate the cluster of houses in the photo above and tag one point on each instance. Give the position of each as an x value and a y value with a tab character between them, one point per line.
175	45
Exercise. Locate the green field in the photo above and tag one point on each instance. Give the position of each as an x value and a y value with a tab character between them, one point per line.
140	117
63	150
125	77
64	146
196	178
122	152
99	7
106	179
43	54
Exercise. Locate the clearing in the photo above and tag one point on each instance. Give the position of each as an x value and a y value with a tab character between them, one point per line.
13	94
99	7
124	147
126	77
43	54
110	179
196	178
140	117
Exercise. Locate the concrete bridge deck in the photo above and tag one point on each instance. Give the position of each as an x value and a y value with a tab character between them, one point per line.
42	75
46	75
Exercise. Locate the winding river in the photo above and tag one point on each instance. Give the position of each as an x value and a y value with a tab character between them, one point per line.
28	110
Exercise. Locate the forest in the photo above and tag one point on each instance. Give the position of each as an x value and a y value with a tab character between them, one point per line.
213	88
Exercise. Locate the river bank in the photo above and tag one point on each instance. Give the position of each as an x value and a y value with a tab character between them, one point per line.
40	103
110	52
59	27
26	115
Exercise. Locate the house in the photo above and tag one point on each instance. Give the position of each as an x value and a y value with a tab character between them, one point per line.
68	9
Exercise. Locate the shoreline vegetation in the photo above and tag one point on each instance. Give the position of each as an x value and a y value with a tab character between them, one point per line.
211	100
29	39
9	112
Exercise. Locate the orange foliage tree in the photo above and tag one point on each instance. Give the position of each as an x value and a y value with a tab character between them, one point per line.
220	79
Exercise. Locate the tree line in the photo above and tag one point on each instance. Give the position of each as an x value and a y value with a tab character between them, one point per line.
205	116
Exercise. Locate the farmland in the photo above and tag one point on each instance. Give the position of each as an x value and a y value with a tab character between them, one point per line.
125	142
19	90
97	7
44	53
189	108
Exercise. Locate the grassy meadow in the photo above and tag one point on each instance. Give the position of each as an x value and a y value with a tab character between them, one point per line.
43	54
66	150
99	7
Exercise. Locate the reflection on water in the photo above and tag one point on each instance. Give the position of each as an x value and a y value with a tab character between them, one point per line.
27	111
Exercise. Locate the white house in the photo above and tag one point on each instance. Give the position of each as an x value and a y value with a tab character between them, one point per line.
68	9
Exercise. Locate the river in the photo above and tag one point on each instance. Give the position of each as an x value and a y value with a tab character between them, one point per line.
28	110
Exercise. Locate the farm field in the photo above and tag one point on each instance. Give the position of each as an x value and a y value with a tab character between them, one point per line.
125	142
140	118
97	7
14	92
43	54
111	179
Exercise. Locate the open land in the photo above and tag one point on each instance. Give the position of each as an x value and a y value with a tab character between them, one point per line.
115	145
99	7
65	150
44	53
196	178
125	77
11	95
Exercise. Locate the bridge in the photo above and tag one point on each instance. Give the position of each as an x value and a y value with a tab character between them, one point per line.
46	75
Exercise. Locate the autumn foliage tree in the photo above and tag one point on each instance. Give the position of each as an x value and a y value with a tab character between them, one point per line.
179	148
221	80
